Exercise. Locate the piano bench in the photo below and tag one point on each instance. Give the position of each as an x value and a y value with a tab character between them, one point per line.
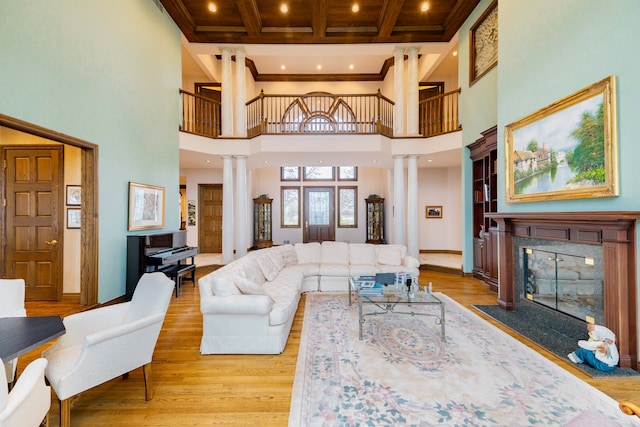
177	272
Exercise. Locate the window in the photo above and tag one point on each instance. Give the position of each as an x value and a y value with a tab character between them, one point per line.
319	173
347	207
290	209
347	173
290	173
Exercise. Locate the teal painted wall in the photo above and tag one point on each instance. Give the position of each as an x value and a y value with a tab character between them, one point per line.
580	43
108	73
478	112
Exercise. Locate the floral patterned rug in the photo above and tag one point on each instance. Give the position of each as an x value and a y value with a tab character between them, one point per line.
402	374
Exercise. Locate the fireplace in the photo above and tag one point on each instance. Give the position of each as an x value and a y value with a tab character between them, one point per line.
605	291
567	278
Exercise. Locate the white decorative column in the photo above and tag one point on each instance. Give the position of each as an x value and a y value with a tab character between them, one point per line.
398	80
227	209
241	93
241	214
226	97
412	92
413	231
398	200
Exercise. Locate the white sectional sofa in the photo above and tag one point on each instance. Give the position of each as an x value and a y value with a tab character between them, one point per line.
248	306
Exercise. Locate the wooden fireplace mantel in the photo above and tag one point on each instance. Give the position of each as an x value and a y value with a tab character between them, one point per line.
614	231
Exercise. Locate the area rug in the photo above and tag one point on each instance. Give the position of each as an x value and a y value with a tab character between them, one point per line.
545	328
401	373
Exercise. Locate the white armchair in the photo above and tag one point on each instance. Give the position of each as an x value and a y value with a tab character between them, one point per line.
11	305
29	401
107	342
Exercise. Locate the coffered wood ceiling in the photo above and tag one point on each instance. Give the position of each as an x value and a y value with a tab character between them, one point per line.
318	21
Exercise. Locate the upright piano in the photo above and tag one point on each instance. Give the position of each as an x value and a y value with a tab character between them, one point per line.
166	252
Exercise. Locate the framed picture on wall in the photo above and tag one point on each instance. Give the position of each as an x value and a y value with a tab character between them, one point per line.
567	150
483	36
74	218
74	195
433	212
146	206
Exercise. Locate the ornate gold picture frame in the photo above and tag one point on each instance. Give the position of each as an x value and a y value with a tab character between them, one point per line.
567	150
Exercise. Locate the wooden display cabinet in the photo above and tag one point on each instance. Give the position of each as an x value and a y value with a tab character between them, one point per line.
262	227
375	220
484	155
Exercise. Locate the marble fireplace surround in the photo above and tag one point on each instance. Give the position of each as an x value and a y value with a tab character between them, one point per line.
614	231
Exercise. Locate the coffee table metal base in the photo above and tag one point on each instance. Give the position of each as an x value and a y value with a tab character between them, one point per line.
399	305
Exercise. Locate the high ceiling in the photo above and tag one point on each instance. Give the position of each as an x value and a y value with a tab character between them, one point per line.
319	40
318	21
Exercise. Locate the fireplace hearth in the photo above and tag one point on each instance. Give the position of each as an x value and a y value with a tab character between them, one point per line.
607	292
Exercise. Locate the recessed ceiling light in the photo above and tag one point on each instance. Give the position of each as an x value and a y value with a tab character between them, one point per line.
266	161
321	161
284	8
424	7
351	67
282	67
212	7
455	53
208	161
374	161
429	160
319	67
355	8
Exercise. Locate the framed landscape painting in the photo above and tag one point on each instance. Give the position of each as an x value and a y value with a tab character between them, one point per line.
567	150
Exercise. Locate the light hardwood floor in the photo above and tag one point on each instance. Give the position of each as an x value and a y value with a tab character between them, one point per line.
236	390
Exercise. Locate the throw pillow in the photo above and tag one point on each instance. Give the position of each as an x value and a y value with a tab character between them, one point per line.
224	286
389	255
267	267
289	255
247	287
276	258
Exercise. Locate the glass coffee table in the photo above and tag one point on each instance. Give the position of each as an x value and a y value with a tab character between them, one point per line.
397	301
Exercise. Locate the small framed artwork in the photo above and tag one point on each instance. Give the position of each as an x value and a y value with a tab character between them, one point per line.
73	218
74	195
146	206
434	212
191	212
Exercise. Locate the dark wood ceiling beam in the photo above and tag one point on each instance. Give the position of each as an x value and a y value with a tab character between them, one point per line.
307	37
320	15
181	16
459	13
250	16
319	78
388	16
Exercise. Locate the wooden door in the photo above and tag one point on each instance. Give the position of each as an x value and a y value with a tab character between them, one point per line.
34	202
319	214
210	218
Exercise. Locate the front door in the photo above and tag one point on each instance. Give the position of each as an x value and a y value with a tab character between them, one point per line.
210	218
33	177
319	214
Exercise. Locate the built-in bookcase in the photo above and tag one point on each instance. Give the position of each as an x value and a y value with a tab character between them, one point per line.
484	155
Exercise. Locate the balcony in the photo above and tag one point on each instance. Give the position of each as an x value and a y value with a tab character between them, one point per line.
319	113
